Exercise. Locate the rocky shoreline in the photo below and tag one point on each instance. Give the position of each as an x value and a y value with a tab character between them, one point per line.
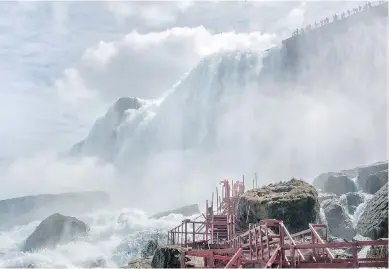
296	202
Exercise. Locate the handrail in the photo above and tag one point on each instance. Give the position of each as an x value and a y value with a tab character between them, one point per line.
314	232
292	241
234	258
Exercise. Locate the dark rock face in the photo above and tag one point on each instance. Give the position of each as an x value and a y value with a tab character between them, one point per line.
167	257
339	223
376	181
295	202
185	211
339	184
373	222
366	171
54	230
354	199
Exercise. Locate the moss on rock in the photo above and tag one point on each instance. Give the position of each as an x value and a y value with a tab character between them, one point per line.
295	202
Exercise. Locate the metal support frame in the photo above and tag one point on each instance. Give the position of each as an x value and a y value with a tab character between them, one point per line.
260	245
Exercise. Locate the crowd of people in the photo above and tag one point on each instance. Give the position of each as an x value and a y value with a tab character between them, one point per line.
334	18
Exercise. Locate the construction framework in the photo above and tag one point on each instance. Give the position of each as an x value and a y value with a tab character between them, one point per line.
216	239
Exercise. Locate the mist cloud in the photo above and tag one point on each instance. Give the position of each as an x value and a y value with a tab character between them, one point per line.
323	121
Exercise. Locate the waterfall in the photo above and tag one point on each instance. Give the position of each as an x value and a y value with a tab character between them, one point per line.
323	218
360	208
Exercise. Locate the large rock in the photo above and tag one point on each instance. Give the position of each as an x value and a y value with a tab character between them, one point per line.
295	202
339	223
320	180
375	181
54	230
339	184
354	199
167	257
373	222
186	211
366	171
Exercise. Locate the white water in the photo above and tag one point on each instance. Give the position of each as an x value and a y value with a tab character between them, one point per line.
115	236
360	208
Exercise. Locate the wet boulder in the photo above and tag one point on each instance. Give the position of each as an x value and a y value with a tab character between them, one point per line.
55	229
375	181
167	256
373	222
339	184
295	202
339	223
354	199
365	171
320	180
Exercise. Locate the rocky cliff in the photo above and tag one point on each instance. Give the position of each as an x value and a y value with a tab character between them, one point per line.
373	222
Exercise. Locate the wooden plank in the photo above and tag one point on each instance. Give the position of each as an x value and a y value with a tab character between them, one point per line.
234	258
325	265
341	244
272	258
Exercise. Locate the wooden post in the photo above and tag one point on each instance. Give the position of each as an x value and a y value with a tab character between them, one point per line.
355	255
182	260
194	234
293	256
250	243
256	241
232	189
260	236
206	221
281	230
186	234
267	240
217	201
212	260
243	185
179	235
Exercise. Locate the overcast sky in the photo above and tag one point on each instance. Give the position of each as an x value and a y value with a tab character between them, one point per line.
63	63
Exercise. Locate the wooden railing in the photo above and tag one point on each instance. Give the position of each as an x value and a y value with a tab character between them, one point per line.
187	233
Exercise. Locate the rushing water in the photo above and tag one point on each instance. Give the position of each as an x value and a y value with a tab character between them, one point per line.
115	238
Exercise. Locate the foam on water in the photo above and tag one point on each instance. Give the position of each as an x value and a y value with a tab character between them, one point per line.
115	237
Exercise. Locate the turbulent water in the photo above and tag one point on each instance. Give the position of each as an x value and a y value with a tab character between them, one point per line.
115	237
228	114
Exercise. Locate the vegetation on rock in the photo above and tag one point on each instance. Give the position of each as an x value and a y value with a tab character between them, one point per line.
295	202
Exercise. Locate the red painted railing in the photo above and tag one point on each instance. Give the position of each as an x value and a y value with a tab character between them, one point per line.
260	245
